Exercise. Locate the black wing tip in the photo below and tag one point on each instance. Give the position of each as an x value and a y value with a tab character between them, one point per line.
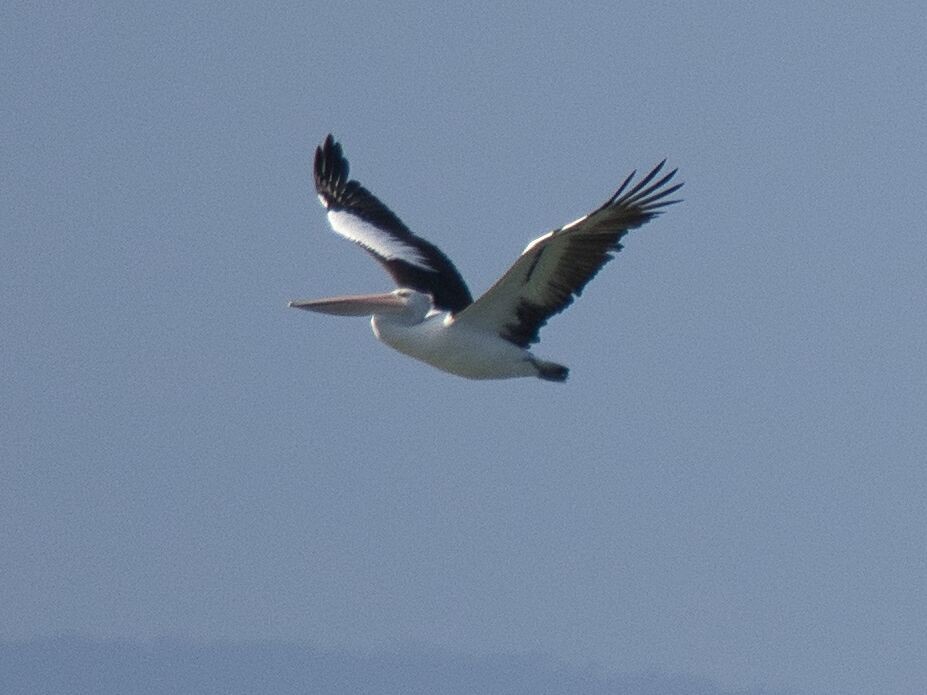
643	195
331	169
329	150
646	195
329	145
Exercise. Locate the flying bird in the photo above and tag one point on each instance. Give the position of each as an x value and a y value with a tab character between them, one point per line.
432	317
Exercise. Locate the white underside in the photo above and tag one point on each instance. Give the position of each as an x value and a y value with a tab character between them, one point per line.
455	349
381	242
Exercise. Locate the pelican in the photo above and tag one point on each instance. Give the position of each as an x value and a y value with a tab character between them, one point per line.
432	317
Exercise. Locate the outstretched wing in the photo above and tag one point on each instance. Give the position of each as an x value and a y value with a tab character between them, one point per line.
555	268
356	214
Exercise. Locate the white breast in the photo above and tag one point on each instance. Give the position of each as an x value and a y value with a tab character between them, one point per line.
455	349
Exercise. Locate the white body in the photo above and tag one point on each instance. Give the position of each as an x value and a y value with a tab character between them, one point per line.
442	343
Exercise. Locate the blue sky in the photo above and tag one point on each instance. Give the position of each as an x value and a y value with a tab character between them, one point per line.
732	483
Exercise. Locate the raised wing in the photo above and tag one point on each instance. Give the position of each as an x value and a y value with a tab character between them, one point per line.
356	214
555	268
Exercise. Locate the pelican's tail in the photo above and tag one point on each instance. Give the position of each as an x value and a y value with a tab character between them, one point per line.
551	371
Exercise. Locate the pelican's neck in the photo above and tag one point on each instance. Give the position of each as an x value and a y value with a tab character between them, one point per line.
416	309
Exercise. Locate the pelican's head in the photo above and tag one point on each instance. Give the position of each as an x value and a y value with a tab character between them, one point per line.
401	305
